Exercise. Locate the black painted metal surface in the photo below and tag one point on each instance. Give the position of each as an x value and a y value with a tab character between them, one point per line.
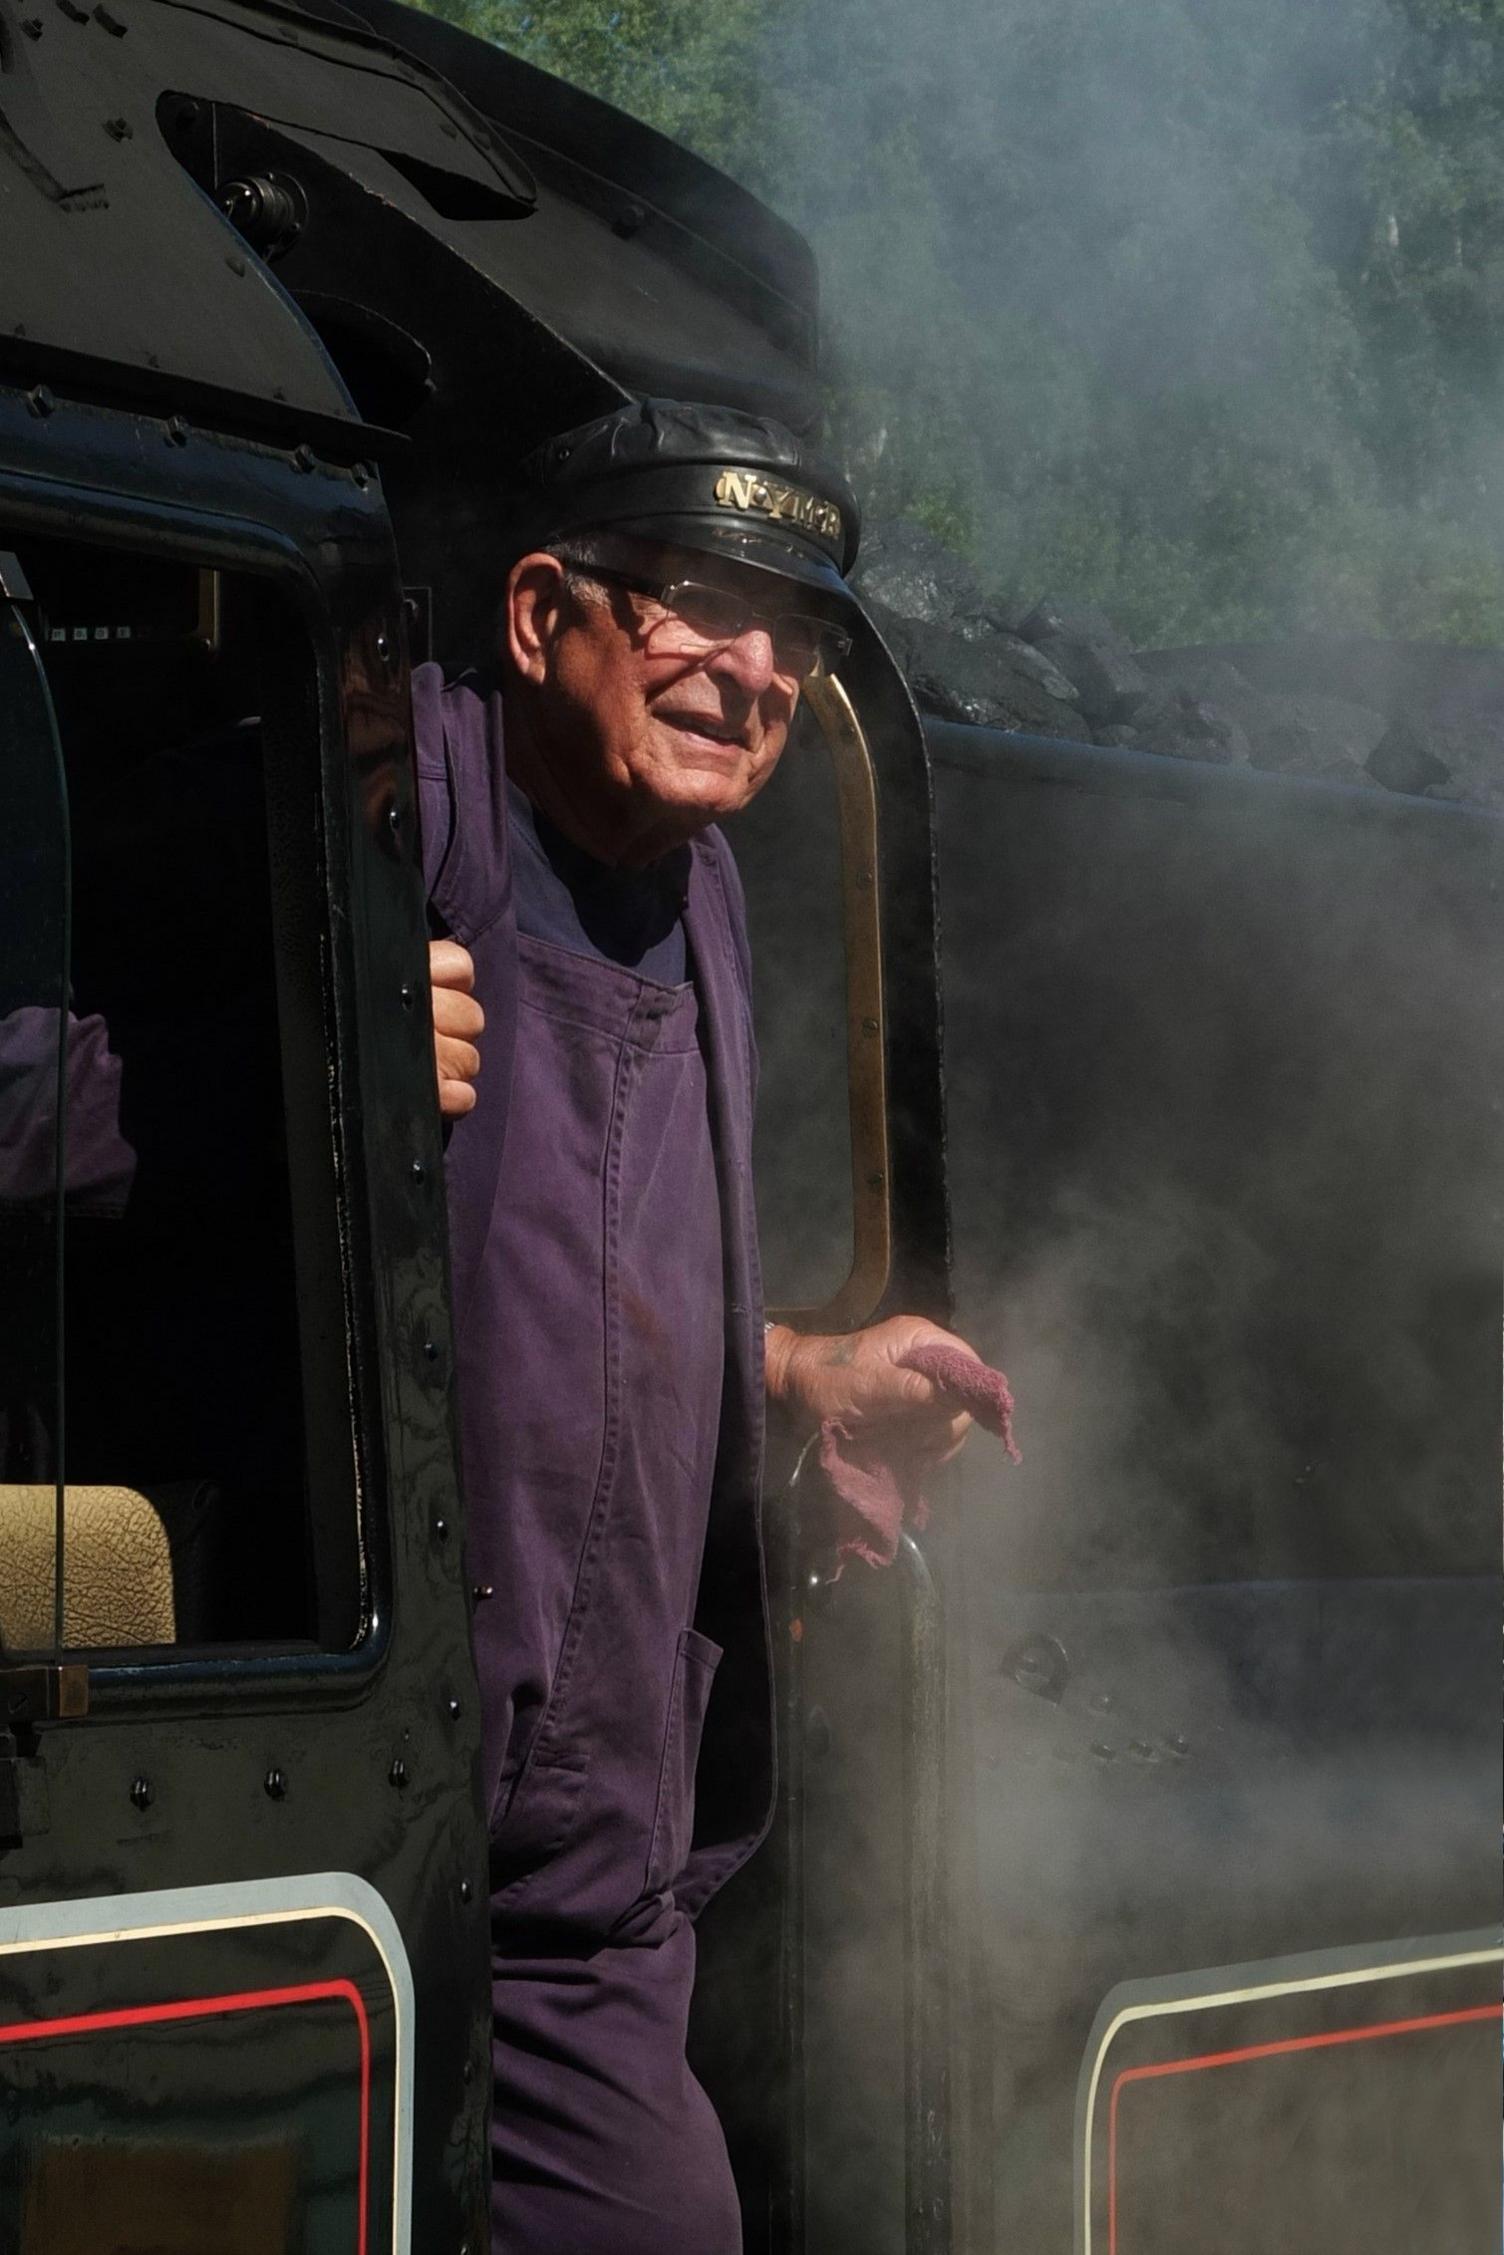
165	1784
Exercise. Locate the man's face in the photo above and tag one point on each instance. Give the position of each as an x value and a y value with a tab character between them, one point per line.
647	742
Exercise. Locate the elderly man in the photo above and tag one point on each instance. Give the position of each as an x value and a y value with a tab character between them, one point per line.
681	577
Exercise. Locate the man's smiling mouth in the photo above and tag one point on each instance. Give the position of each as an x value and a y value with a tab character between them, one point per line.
702	724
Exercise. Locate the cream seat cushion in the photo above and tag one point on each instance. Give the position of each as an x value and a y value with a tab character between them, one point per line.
117	1568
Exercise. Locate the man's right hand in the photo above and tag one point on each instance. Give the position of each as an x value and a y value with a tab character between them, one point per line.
458	1022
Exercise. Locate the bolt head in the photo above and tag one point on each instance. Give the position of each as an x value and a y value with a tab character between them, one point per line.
141	1793
276	1785
40	400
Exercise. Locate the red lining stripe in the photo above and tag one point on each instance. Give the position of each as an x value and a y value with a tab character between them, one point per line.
1322	2042
245	2000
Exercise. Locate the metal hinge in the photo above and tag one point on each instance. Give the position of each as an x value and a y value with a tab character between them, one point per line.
14	584
43	1691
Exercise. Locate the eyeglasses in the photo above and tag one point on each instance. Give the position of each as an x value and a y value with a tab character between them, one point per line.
697	619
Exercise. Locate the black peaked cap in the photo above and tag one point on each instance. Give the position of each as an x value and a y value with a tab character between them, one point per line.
705	478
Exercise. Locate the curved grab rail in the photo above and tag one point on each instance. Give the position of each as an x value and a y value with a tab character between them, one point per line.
928	2207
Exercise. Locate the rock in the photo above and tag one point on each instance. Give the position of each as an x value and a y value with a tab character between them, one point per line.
907	571
1179	725
1345	771
1034	663
1404	761
1210	677
983	683
1304	735
1089	651
1055	616
1449	748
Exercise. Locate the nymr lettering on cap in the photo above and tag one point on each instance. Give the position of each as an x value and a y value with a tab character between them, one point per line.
697	477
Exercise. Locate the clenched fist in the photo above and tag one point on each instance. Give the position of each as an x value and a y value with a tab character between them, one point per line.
458	1022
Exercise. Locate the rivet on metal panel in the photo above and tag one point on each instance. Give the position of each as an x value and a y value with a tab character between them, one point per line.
441	1530
1039	1664
874	1182
111	24
409	995
629	221
175	431
302	457
141	1793
466	1890
467	2072
430	1350
119	128
236	264
1103	1751
416	1170
482	1592
40	400
1177	1744
275	1782
32	26
386	650
452	1709
397	1774
870	1027
361	473
394	820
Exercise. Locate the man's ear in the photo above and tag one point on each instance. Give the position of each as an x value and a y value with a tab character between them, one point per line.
533	614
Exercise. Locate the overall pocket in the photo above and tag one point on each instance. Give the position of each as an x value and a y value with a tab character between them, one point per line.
695	1663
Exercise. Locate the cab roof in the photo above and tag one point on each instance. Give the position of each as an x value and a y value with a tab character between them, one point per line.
453	195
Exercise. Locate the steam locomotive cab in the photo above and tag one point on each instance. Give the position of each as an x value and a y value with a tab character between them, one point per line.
1111	1818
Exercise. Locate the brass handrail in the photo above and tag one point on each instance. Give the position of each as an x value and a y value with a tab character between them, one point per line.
866	1062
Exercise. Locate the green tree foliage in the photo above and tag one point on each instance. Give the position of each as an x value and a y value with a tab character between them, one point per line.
1198	309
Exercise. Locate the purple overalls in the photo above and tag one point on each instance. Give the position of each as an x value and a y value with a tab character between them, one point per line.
608	1326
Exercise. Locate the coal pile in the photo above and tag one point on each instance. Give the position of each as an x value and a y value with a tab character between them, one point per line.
1422	718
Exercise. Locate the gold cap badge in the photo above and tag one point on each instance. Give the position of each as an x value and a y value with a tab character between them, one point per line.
784	504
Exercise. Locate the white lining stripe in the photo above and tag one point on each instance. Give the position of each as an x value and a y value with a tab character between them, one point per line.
1332	1974
103	1919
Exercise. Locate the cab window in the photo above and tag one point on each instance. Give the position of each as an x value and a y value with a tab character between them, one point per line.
201	1434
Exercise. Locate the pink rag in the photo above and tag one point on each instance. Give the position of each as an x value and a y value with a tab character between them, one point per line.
876	1493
